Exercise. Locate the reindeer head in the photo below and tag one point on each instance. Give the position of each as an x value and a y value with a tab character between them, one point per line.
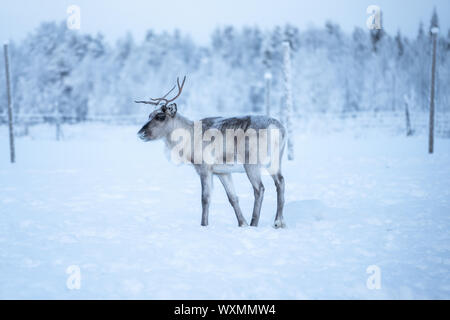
159	121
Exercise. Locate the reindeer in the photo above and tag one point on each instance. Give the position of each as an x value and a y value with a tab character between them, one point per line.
165	120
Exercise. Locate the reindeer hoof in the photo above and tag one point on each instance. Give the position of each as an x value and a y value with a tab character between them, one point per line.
243	224
279	224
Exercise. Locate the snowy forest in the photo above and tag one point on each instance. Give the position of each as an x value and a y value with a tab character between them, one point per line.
81	76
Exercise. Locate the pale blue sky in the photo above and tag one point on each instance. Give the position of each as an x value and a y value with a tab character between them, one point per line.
199	17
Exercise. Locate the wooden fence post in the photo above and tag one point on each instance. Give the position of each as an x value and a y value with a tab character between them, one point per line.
10	116
434	32
408	102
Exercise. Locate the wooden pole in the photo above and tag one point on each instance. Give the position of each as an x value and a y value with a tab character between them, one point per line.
10	117
408	101
58	128
434	32
57	118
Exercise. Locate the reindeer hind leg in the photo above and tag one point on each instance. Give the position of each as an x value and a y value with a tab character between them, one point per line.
254	175
279	183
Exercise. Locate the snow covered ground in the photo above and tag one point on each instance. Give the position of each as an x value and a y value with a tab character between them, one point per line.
112	205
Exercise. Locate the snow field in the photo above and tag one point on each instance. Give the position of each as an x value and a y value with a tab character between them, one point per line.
114	206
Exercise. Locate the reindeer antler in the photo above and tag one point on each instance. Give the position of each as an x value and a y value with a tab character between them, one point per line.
180	88
158	100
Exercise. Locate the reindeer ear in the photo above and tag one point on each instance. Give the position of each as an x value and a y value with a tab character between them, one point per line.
171	109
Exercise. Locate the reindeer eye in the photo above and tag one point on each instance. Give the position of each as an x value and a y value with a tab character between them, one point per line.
160	116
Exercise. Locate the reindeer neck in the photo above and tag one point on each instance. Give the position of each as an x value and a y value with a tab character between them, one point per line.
179	122
182	122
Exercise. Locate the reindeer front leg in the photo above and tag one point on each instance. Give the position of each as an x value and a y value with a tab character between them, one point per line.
205	179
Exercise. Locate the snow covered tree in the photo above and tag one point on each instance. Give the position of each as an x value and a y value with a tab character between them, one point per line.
82	76
288	97
434	23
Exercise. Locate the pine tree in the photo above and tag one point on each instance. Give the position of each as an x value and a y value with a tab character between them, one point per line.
420	71
448	41
291	34
400	46
434	23
420	32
